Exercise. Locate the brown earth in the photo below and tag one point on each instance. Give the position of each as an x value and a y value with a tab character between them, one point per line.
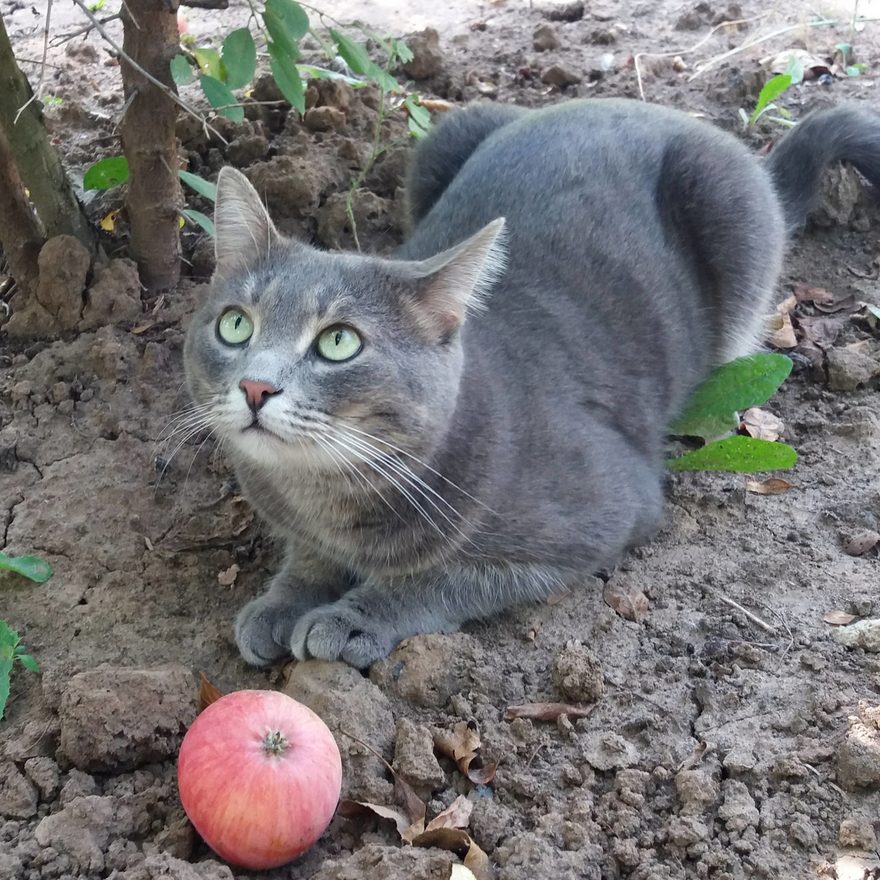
734	735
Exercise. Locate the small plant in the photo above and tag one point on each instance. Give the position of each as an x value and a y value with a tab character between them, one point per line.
711	413
773	88
11	652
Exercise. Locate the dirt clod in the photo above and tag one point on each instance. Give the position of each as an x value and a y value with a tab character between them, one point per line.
545	38
114	718
43	772
857	833
18	795
414	757
324	119
697	790
163	866
563	10
427	60
577	674
858	757
560	76
114	297
387	861
853	366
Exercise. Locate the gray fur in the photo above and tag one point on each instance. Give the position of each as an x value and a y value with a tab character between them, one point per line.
487	450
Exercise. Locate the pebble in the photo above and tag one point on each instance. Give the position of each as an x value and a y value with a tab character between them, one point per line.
560	76
545	38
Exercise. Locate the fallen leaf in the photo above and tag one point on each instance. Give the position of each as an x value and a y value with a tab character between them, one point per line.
815	295
108	221
847	304
355	809
142	328
812	65
631	605
695	757
436	105
462	844
759	423
861	543
546	711
208	693
784	336
462	744
456	815
226	578
836	617
770	486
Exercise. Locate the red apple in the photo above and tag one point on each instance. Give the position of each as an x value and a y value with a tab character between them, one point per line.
259	777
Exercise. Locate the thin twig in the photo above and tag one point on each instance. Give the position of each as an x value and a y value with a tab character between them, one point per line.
751	616
674	53
39	90
781	32
146	74
86	29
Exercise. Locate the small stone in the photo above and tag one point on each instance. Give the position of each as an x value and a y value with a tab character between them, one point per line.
852	366
544	38
739	760
566	10
577	674
18	795
738	810
324	119
857	833
560	76
116	718
43	772
414	757
427	60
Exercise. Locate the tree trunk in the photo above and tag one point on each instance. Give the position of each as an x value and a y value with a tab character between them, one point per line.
20	233
37	160
149	141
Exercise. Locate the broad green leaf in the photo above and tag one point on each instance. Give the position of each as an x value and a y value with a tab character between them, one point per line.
773	88
400	49
28	662
181	70
199	184
747	381
287	77
287	24
795	69
745	455
419	119
210	63
106	173
239	58
201	220
356	57
219	95
31	567
8	643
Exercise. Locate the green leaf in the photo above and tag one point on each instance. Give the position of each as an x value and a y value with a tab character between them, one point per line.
8	643
419	119
795	69
309	71
287	77
31	567
210	63
746	455
239	58
747	381
219	95
773	88
401	51
106	173
28	662
201	220
287	24
356	57
181	70
874	310
199	184
855	69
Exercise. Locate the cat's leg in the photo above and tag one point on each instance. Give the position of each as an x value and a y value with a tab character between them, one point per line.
366	623
264	627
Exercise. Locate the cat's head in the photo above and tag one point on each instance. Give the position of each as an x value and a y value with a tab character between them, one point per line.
299	355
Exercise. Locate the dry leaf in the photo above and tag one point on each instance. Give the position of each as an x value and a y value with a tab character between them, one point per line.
861	543
770	486
436	105
847	304
759	423
462	744
783	337
142	328
546	711
836	617
461	872
227	577
815	295
630	604
456	815
208	693
108	221
460	842
695	757
354	809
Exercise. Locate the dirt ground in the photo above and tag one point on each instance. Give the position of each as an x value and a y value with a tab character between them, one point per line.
735	736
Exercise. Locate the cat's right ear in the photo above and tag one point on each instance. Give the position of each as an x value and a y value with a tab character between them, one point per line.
244	233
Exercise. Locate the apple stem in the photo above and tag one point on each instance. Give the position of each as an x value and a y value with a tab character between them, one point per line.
275	743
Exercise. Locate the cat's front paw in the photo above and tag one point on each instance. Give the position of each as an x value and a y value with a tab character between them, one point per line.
341	631
264	627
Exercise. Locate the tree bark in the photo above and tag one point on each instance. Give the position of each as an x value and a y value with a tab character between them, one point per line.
149	141
20	234
37	160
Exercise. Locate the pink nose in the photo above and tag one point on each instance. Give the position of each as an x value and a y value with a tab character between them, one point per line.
257	393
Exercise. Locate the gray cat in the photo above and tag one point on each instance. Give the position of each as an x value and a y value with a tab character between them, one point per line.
480	420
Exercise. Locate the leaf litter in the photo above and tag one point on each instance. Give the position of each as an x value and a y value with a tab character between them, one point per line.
462	744
546	711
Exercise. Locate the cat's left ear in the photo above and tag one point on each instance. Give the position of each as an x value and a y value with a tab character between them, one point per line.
458	280
244	233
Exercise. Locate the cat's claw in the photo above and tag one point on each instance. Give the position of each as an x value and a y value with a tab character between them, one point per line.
263	630
342	632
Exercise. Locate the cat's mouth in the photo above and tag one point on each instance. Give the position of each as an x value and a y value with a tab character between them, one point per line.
257	427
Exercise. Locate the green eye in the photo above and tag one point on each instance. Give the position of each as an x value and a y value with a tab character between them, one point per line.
339	343
235	327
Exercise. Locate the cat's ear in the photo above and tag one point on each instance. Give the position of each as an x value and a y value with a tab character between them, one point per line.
244	233
458	280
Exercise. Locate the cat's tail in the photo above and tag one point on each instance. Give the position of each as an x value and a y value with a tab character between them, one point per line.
840	134
441	155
